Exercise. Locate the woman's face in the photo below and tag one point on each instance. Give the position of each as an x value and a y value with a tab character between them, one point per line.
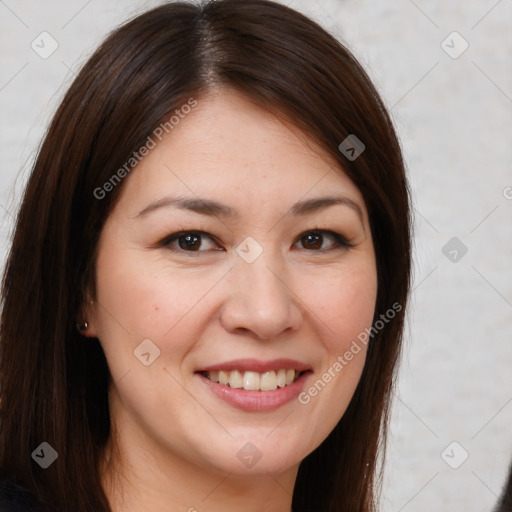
253	291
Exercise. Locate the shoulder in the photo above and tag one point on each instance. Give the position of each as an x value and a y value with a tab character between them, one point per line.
14	498
505	504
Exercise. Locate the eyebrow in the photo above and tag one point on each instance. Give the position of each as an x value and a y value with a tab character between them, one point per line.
216	209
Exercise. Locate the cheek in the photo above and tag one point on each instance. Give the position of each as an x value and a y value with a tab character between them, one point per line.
138	295
148	299
345	304
140	301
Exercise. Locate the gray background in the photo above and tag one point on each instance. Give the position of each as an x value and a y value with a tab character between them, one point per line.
454	117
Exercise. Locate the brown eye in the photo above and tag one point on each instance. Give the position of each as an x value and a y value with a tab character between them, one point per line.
192	242
313	240
188	241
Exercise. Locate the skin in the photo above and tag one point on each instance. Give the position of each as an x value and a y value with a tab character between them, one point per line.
176	443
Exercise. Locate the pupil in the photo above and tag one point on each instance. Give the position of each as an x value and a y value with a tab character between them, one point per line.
314	238
190	242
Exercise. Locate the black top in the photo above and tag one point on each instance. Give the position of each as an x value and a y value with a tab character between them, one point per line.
16	499
505	504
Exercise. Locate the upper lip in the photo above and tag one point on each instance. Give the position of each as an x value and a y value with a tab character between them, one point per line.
255	365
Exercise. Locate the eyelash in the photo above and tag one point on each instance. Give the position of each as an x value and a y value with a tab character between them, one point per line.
340	241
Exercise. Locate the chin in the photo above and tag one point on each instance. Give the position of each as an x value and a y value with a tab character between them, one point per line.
258	453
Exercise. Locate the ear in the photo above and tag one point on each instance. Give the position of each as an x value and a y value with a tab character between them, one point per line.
88	314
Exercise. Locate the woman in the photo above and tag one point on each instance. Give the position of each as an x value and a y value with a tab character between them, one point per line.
204	300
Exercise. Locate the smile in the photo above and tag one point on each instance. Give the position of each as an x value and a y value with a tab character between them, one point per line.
256	386
254	381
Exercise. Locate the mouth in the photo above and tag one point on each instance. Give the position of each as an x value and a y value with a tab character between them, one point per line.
252	385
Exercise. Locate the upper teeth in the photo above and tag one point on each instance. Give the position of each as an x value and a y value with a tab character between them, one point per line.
254	381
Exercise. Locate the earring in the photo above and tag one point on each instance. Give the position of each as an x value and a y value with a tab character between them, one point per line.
82	327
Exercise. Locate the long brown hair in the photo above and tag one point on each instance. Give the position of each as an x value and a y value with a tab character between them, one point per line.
53	383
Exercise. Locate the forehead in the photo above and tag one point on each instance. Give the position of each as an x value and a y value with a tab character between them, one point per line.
228	147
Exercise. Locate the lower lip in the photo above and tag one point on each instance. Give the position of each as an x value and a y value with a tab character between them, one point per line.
254	401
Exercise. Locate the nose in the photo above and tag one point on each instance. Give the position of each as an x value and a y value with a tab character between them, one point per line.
260	300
